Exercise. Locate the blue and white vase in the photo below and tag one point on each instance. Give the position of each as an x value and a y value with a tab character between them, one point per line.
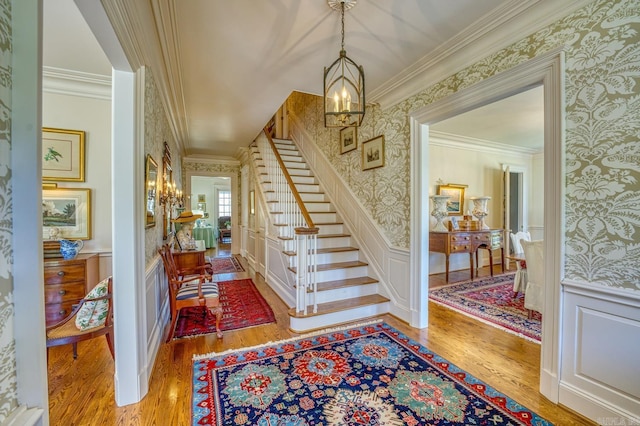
70	248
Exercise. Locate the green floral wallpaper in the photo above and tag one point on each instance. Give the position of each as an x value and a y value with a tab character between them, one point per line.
8	380
156	132
602	147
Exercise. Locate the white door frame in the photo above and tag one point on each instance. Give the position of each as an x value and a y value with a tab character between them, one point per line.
546	70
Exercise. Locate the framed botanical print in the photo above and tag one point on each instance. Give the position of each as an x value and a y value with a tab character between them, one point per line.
62	155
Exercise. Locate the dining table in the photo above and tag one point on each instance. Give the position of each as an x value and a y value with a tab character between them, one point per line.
206	234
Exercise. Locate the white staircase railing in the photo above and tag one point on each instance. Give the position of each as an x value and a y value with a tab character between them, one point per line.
297	231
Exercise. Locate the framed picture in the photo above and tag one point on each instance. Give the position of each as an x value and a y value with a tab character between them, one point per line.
66	212
455	203
373	153
348	139
62	155
202	206
151	185
252	202
202	198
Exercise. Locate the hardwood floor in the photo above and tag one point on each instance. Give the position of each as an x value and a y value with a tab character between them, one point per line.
81	392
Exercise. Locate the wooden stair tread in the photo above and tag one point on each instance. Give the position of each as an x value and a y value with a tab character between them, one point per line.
333	235
337	265
348	282
326	250
341	305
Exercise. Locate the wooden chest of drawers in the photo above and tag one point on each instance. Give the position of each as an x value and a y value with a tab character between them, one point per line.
66	282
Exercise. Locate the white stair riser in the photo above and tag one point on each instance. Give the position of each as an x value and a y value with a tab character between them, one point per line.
295	165
304	179
318	207
324	217
330	229
313	197
307	188
333	242
291	158
346	293
341	274
301	325
336	257
300	172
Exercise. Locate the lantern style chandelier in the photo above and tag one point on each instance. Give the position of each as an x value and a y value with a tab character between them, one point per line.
344	104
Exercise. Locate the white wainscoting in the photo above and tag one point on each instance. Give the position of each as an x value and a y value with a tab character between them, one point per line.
280	279
260	263
390	265
600	371
156	310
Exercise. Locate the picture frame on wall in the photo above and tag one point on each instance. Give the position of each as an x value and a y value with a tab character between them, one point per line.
63	154
348	139
202	198
373	153
202	206
66	213
252	202
151	189
455	192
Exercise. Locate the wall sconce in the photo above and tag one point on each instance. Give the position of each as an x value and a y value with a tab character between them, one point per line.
170	196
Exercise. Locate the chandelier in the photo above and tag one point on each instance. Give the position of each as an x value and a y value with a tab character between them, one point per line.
344	104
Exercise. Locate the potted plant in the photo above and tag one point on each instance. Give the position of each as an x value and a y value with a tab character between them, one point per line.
228	224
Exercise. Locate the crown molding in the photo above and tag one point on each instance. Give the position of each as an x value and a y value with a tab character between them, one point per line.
76	83
494	32
448	140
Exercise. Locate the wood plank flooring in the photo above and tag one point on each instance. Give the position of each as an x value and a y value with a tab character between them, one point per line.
81	392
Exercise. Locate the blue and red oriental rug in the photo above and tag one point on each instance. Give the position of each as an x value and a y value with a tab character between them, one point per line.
491	301
365	375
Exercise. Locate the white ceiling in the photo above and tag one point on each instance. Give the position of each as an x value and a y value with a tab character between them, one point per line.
239	60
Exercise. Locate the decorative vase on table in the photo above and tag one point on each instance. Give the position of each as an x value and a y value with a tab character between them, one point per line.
70	248
480	210
439	212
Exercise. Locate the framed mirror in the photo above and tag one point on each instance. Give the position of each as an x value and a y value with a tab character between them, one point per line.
151	186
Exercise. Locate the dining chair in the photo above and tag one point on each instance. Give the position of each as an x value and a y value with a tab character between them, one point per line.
190	290
520	278
92	317
534	293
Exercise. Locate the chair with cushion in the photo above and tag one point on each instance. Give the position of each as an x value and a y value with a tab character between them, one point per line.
224	234
91	317
534	294
192	290
520	279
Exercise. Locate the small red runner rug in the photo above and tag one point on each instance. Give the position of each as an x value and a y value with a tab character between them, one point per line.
225	265
491	301
242	306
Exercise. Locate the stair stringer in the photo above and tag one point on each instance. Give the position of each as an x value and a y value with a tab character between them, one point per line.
391	265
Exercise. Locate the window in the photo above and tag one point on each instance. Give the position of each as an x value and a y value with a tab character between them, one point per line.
224	203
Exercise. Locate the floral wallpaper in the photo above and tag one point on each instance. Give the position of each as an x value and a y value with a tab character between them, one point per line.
602	147
156	132
8	380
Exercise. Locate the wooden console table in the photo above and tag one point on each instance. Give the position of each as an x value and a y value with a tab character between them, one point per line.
467	242
188	261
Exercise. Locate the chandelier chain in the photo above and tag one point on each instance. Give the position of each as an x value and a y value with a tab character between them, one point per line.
342	11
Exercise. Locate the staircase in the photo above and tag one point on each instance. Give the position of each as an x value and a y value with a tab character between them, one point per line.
346	291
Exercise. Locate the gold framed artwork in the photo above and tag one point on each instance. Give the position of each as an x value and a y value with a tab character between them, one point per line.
202	198
202	206
151	188
373	153
62	155
455	203
348	139
66	213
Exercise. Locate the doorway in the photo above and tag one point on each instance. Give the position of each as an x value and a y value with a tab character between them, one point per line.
545	70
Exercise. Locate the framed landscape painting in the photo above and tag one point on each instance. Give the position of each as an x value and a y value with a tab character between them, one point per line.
62	155
66	213
373	153
455	203
348	139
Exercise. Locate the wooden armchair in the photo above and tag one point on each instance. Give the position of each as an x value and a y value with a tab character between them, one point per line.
92	317
192	290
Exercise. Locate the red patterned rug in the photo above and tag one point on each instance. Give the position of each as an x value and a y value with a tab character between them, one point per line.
491	301
242	306
225	265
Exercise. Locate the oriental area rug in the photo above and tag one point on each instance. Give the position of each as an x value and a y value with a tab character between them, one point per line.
225	265
364	375
491	301
242	306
